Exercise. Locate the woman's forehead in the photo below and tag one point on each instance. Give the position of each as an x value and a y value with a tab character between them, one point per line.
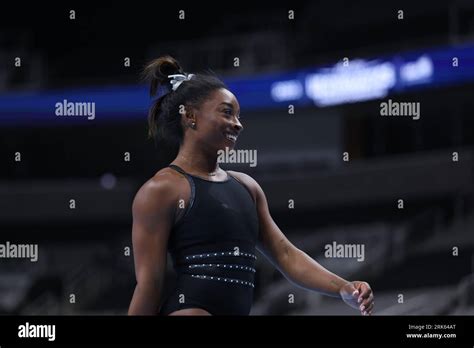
224	96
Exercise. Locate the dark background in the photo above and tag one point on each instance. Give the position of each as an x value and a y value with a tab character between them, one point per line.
409	251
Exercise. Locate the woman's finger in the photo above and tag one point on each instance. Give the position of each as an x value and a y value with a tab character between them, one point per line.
368	300
369	308
367	305
365	293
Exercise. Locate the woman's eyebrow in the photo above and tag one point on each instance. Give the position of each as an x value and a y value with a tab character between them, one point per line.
227	104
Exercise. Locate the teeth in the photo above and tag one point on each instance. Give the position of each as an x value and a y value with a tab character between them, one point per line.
231	137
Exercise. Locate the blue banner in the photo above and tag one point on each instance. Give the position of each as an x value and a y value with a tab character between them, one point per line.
348	81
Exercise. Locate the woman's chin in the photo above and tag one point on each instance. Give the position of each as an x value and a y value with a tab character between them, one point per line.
229	145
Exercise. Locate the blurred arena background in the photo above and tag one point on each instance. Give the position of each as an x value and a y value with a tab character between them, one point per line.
311	90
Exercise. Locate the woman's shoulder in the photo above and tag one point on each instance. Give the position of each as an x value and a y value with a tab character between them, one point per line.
165	186
240	175
250	183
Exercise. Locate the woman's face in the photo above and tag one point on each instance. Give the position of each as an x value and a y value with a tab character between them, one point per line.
217	121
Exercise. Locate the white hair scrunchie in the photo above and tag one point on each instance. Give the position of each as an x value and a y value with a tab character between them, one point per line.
178	79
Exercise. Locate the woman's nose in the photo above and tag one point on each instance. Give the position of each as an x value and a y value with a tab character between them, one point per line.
238	126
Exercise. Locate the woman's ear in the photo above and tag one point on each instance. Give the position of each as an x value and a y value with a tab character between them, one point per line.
189	114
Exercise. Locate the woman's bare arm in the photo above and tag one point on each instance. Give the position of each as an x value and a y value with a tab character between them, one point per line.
295	264
153	214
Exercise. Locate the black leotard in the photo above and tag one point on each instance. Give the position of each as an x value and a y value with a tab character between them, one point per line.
213	249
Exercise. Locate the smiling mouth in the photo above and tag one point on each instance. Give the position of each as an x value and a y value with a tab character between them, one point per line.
231	137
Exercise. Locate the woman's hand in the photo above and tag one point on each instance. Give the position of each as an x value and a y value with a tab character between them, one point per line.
358	295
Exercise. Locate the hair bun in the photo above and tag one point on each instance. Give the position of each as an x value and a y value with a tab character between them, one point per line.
168	66
158	70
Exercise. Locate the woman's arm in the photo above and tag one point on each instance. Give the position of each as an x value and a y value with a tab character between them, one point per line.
296	265
153	211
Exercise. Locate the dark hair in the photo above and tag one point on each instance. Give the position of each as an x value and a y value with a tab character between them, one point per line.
164	119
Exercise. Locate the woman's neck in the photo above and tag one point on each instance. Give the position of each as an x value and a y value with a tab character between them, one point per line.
197	162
